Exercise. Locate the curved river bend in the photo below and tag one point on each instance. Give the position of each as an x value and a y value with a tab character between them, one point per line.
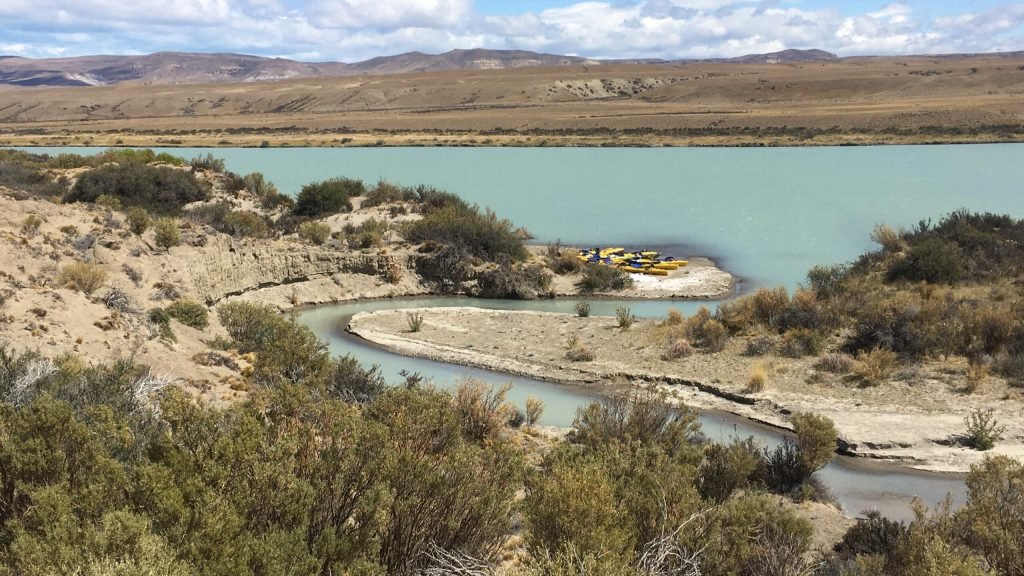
857	485
765	214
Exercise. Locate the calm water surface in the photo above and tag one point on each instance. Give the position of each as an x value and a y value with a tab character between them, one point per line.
766	215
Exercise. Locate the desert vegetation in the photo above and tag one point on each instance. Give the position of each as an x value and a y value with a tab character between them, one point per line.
942	290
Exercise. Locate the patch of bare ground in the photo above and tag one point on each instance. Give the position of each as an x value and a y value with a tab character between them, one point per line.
912	418
905	100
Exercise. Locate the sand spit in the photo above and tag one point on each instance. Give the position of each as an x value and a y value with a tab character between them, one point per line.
914	419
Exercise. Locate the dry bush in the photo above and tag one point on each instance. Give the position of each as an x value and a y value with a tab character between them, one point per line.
678	348
770	304
737	315
835	363
975	376
393	273
316	233
30	226
674	318
82	276
625	317
582	309
890	239
482	409
758	379
534	410
989	328
876	366
760	345
414	320
801	342
575	351
714	336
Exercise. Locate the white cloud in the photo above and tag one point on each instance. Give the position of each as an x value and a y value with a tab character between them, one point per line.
357	29
390	14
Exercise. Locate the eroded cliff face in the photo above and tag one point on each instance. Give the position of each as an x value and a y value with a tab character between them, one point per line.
227	267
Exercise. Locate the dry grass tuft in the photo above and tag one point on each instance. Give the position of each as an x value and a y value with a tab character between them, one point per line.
82	276
876	366
758	379
890	239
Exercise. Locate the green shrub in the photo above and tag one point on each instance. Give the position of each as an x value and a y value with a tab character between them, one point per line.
110	202
930	260
190	313
599	278
82	276
245	223
166	234
161	321
159	189
329	197
285	351
138	220
24	172
368	234
815	440
727	468
349	381
983	430
468	230
994	513
315	233
269	196
827	281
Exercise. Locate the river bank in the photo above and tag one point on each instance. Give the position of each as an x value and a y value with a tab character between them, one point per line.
914	420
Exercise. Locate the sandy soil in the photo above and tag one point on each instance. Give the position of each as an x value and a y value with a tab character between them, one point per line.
915	418
903	100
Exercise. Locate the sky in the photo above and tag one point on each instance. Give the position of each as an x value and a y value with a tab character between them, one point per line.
353	30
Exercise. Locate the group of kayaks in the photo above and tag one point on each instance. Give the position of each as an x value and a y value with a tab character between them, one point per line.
642	262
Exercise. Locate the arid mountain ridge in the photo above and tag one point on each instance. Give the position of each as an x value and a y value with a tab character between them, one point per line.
200	68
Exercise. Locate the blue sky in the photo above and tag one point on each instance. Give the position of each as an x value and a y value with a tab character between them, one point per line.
350	30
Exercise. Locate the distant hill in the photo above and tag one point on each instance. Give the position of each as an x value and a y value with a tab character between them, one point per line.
786	57
166	68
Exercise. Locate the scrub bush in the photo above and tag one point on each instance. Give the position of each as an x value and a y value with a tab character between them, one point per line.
599	278
160	190
316	233
329	197
190	313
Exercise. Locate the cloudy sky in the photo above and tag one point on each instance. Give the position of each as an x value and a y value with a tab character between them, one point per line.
350	30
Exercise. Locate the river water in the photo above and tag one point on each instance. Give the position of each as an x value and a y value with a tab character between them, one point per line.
765	214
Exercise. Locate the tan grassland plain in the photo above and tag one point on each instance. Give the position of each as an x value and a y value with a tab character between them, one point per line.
850	101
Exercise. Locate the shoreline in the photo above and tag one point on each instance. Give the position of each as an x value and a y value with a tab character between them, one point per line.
16	138
864	463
